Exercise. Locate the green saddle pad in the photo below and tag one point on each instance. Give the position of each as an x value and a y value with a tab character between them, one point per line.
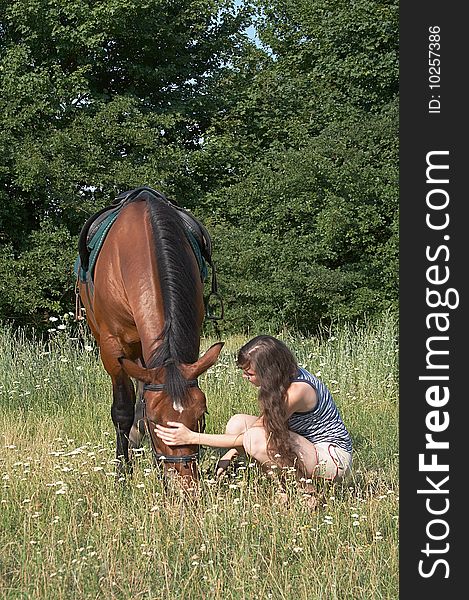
94	246
96	241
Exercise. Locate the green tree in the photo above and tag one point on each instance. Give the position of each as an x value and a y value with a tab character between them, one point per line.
307	220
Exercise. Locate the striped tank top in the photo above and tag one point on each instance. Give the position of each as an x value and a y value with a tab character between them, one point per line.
323	423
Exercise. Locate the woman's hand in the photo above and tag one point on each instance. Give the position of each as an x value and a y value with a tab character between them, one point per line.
176	435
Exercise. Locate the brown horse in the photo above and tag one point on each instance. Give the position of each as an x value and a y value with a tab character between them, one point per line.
145	308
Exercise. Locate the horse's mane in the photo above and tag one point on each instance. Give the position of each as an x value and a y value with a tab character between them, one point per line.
180	338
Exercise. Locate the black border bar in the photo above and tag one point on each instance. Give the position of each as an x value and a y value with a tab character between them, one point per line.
433	300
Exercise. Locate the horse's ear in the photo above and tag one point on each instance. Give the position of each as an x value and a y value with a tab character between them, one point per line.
205	362
138	372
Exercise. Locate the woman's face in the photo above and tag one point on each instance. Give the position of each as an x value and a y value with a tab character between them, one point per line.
250	374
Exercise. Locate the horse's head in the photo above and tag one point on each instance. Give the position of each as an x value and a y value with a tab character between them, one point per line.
160	408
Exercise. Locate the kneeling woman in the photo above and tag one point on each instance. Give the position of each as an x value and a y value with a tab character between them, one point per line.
299	424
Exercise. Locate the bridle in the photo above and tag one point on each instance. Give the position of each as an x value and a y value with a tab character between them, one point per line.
158	457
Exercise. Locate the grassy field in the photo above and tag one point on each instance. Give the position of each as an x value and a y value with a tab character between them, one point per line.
68	531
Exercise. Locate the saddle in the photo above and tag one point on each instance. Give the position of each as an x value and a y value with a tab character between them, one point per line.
95	229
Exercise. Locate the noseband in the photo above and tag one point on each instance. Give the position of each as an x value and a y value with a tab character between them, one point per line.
158	456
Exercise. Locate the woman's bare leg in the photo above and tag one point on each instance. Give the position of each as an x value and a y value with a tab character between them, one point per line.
236	425
255	444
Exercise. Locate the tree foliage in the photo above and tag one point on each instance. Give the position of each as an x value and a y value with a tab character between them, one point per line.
307	223
287	149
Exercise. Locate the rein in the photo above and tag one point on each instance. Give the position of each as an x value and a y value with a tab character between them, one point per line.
158	456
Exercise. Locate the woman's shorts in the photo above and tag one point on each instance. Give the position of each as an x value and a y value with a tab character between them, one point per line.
334	463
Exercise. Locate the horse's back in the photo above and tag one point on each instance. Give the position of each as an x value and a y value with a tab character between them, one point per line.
127	300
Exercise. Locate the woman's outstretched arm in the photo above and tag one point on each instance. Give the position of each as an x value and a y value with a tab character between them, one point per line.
179	435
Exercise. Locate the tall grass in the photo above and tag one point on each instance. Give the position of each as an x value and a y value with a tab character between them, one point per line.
69	531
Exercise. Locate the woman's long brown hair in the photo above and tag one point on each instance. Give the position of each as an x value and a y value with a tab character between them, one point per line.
275	366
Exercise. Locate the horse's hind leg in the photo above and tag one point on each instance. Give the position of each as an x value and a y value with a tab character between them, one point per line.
122	413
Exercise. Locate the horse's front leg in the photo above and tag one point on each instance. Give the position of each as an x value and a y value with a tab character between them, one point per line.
122	413
137	431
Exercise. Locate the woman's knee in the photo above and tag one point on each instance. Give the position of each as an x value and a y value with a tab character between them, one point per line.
238	424
254	441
